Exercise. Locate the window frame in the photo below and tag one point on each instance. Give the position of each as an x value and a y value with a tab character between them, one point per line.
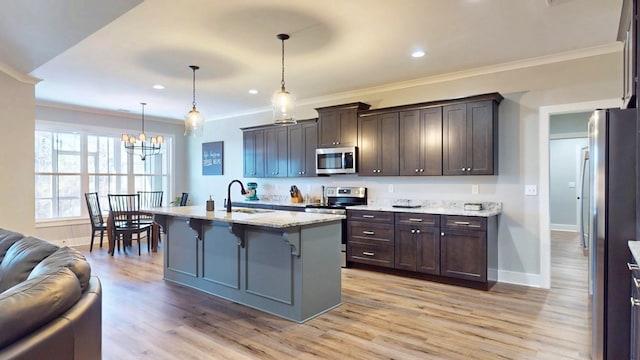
85	131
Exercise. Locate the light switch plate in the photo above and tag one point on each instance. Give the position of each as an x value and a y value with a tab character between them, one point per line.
474	189
390	188
572	184
531	190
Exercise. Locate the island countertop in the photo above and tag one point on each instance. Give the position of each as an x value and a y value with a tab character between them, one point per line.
258	217
441	210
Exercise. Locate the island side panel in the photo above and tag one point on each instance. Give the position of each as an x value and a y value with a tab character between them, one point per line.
221	250
321	270
180	252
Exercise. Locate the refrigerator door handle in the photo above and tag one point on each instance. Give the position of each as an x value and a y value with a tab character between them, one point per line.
583	241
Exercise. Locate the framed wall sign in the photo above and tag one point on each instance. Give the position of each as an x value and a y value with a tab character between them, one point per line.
213	158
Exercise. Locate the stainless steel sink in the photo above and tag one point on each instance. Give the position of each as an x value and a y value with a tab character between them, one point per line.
250	211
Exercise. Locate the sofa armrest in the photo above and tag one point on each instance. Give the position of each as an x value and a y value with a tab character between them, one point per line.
76	334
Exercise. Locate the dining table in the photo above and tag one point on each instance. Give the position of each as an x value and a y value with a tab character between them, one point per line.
111	236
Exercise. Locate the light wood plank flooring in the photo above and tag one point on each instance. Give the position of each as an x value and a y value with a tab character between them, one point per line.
381	317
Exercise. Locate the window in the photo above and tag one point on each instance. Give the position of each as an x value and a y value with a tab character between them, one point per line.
69	163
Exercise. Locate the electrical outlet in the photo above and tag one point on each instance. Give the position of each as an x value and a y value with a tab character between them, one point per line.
531	190
474	189
390	188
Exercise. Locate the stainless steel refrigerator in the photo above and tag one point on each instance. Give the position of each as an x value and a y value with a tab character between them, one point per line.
611	223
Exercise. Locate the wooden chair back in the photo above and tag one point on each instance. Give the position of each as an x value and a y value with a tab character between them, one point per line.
150	199
93	205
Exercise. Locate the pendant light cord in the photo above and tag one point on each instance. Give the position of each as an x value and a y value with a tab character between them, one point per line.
143	104
194	88
282	81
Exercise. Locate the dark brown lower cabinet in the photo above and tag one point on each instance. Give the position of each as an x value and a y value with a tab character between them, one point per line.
461	250
417	243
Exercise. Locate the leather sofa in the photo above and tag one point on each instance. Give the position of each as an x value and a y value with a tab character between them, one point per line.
50	305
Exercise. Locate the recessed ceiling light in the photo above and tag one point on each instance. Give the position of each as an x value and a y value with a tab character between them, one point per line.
253	91
417	54
158	87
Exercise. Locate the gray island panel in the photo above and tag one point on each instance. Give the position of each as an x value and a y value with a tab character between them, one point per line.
289	271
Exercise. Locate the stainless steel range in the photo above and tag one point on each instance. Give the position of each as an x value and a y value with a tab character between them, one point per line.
337	199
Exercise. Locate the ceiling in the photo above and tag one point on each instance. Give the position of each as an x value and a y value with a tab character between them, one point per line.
108	54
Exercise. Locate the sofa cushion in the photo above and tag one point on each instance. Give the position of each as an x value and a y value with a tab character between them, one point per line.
65	257
30	304
7	238
21	258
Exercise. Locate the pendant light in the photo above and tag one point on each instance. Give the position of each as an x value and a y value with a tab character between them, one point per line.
139	145
283	102
194	120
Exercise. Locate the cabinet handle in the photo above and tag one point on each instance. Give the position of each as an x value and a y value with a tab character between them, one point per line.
367	232
461	222
633	266
418	231
474	226
413	231
441	234
368	253
421	170
463	169
636	282
415	220
468	169
635	302
368	216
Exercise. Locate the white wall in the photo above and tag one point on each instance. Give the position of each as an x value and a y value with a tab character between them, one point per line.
525	91
17	207
564	182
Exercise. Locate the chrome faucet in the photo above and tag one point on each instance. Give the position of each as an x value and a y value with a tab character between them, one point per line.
242	191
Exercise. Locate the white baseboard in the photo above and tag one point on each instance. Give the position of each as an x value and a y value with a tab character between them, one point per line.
518	278
564	227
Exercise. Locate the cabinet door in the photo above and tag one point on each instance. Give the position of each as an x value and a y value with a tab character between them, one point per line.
431	141
405	248
276	151
410	143
378	144
428	250
480	137
329	128
310	143
463	254
369	146
296	151
253	151
454	139
348	127
389	147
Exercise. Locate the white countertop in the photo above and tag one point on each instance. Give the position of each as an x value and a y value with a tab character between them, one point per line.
634	246
260	217
430	210
271	202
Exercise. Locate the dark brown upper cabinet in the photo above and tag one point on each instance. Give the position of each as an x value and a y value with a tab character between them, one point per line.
276	144
303	140
421	142
470	138
378	144
338	125
253	145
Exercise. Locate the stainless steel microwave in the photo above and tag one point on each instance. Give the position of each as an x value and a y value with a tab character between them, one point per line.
340	160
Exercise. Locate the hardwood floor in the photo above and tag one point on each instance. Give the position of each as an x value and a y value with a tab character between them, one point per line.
381	317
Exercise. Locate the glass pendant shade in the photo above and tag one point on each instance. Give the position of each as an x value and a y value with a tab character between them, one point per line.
284	106
194	120
193	123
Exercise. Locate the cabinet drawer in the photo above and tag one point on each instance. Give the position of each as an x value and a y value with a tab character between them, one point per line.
379	255
371	233
418	219
370	216
464	222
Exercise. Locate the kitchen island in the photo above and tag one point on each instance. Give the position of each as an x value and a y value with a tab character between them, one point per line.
281	262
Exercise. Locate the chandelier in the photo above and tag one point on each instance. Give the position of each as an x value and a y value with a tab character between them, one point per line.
140	145
194	120
283	102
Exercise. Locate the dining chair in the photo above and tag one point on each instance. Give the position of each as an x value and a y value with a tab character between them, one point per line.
128	220
183	199
150	199
95	215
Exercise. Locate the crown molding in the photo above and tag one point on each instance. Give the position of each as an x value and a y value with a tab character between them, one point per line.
17	75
